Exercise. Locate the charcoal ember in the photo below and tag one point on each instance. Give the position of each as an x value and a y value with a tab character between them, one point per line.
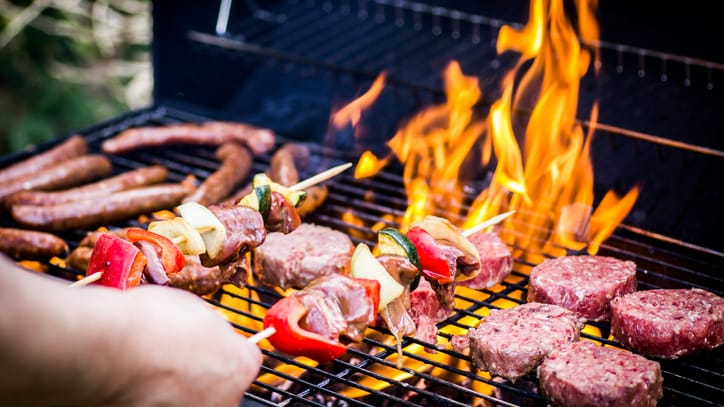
585	374
668	323
496	260
582	284
512	342
297	258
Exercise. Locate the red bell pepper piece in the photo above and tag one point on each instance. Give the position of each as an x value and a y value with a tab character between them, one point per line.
119	260
171	256
284	317
432	258
372	289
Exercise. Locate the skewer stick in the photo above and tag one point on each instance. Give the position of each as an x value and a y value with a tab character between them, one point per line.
262	335
322	176
87	280
490	222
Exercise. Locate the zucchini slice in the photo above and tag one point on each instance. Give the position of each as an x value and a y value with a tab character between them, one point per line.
392	241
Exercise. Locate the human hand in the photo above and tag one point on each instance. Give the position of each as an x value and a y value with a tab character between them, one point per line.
185	353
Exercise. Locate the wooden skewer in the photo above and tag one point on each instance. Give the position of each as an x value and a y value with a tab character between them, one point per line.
87	280
490	222
263	334
322	176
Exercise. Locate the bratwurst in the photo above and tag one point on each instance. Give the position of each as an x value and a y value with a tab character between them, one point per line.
94	212
257	139
30	245
66	174
74	146
97	190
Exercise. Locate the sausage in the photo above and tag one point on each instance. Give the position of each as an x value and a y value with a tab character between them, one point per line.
127	180
66	174
91	238
236	161
78	259
259	140
31	245
285	163
74	146
93	212
282	169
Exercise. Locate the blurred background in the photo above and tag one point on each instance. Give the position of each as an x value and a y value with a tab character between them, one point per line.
68	64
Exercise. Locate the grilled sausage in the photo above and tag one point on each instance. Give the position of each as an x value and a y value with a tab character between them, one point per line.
285	163
31	245
78	259
93	212
236	161
121	182
66	174
74	146
282	169
257	139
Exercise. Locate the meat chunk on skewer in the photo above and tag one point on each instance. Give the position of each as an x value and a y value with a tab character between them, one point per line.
297	258
496	260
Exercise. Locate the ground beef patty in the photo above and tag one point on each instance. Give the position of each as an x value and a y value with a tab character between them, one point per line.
584	374
296	258
582	284
496	260
668	323
512	342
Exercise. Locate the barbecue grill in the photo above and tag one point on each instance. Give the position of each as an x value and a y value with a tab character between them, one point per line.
285	65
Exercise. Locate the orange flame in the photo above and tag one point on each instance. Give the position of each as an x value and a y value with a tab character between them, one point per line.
549	181
352	112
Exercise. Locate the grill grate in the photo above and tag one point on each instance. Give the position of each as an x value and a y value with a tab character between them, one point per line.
369	376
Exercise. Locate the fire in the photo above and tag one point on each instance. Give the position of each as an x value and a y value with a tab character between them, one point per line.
352	112
548	179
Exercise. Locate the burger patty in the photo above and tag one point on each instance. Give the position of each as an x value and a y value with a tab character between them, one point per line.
582	284
297	258
584	374
668	323
496	260
512	342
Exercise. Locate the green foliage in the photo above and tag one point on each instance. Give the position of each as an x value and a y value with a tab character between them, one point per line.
65	65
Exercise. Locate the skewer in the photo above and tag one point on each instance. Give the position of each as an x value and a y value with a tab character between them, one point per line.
322	176
263	334
313	180
490	222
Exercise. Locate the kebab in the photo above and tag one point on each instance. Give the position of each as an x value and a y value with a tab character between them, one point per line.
315	320
218	233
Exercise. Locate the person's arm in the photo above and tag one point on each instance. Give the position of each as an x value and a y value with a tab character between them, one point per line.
95	345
